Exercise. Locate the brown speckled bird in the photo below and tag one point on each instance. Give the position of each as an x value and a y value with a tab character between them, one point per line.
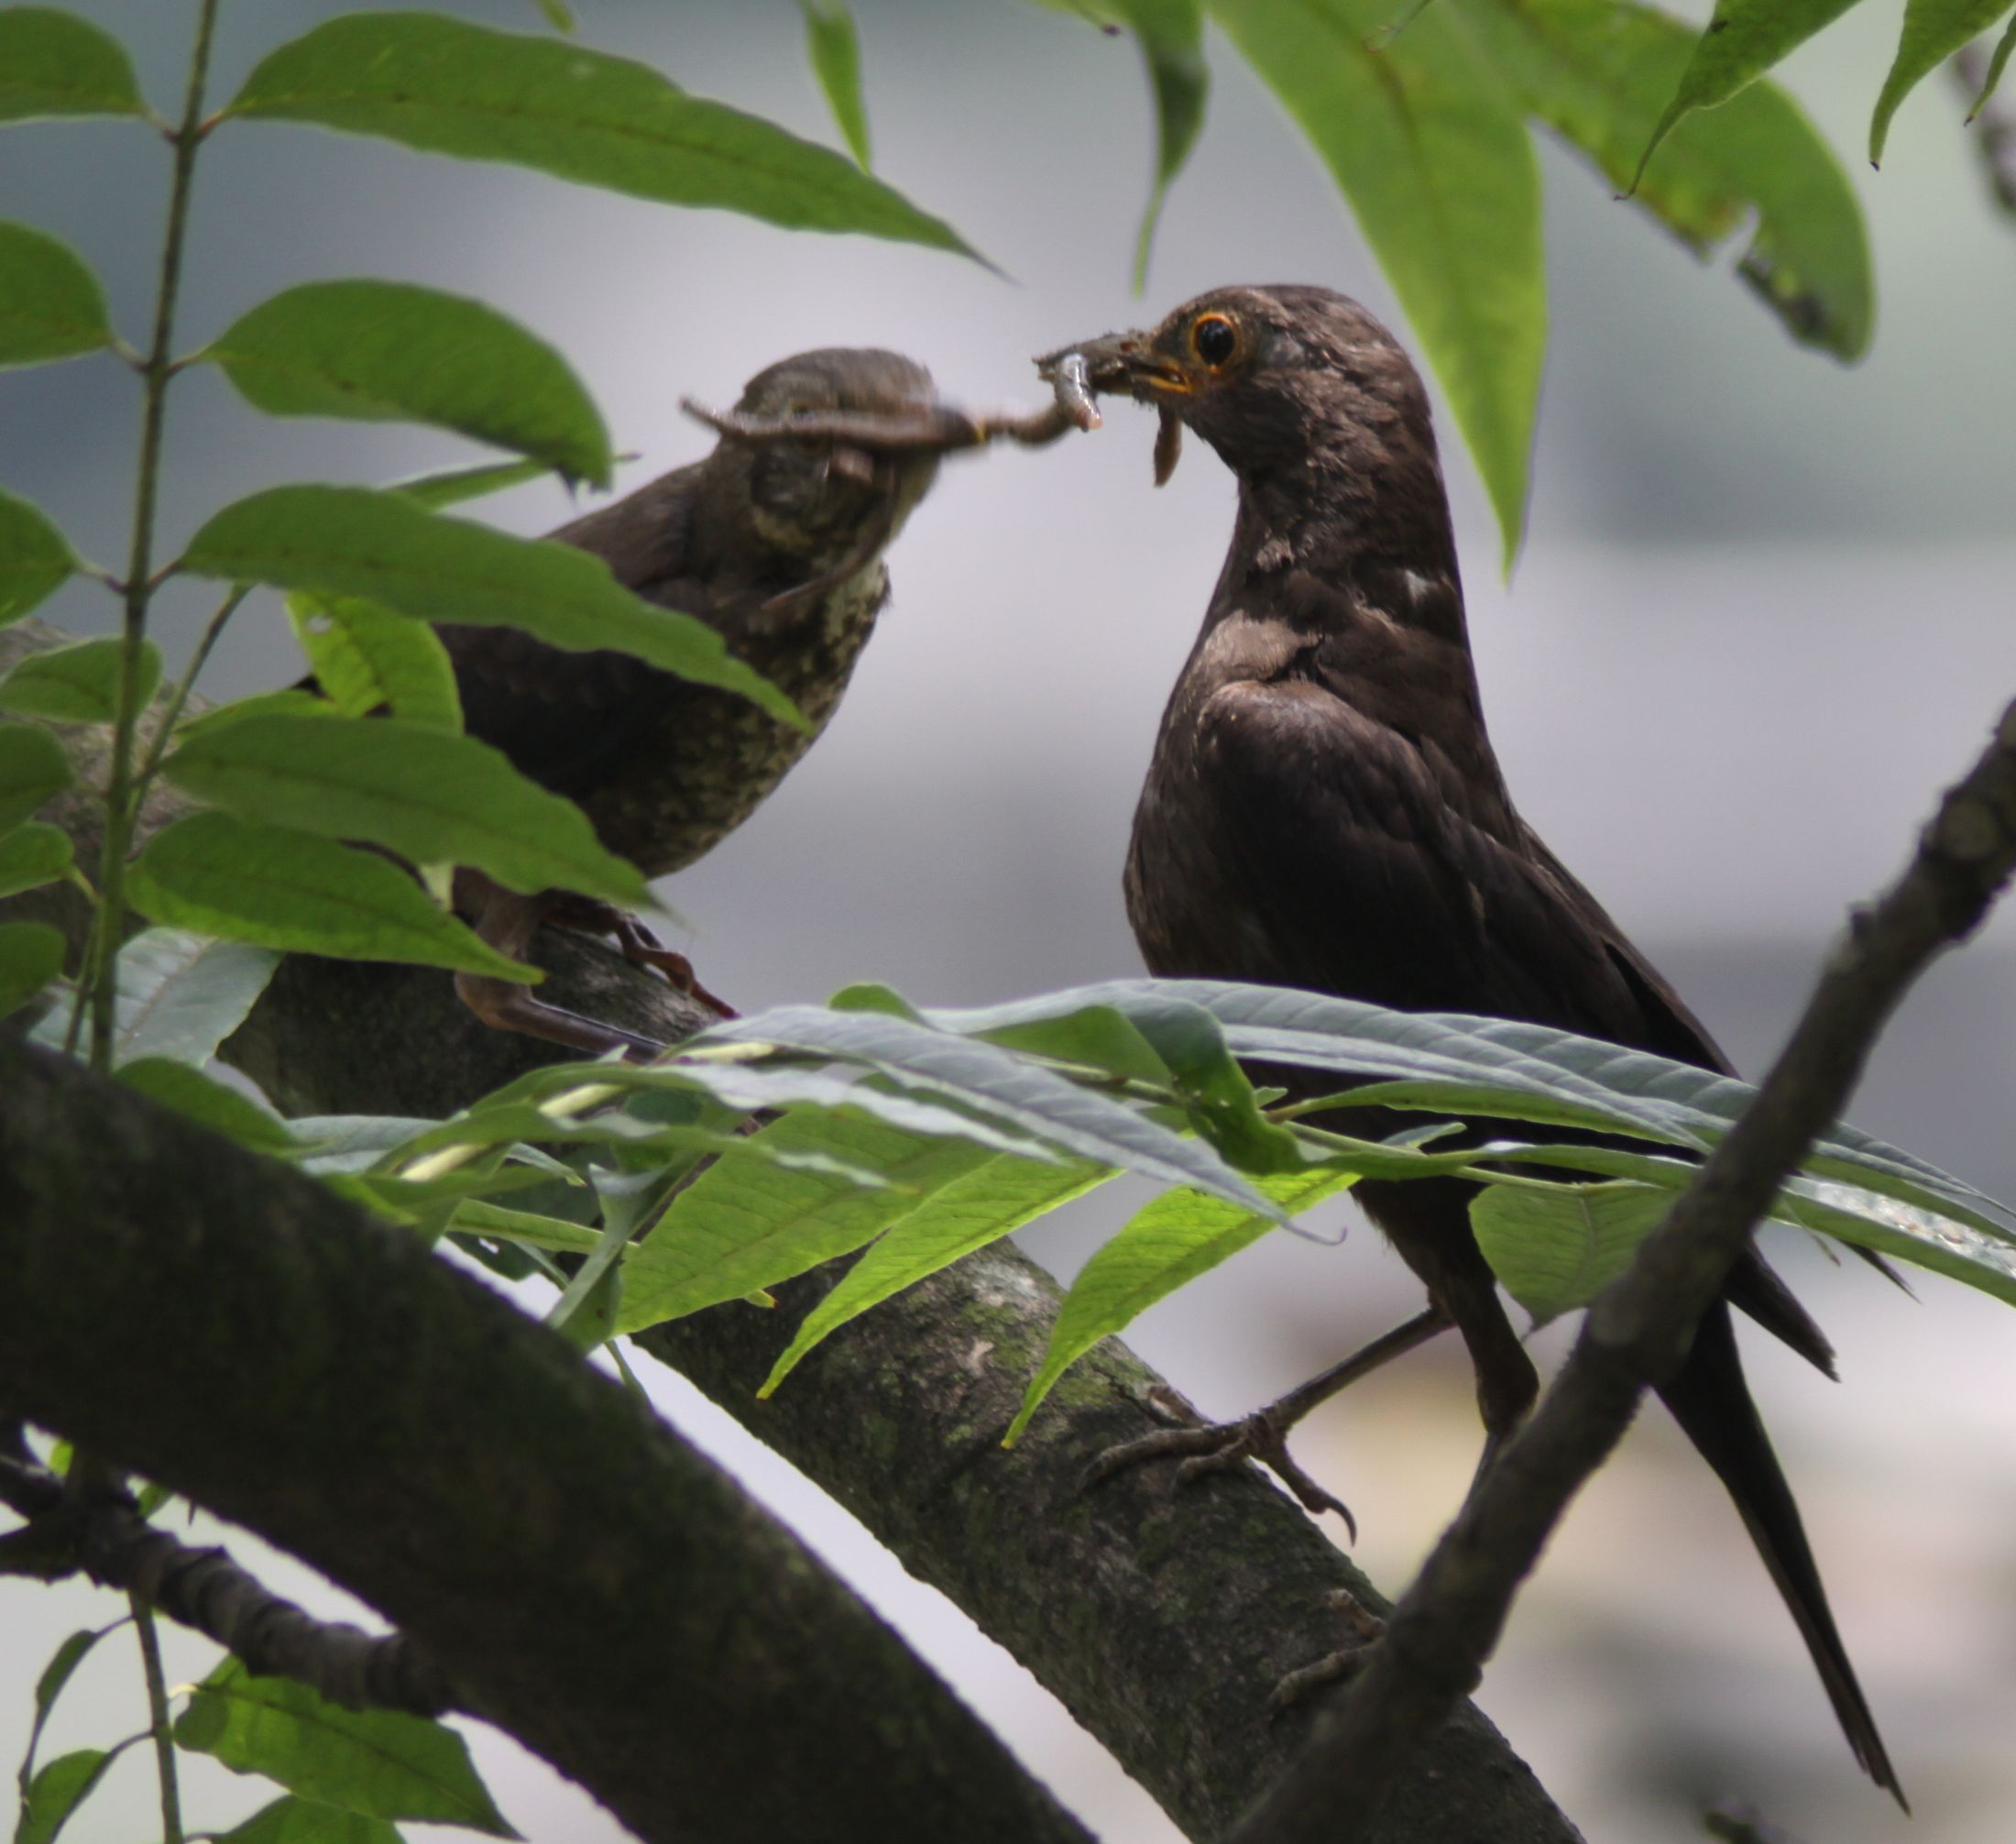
776	540
1324	811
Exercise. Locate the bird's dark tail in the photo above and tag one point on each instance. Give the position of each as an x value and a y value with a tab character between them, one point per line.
1711	1403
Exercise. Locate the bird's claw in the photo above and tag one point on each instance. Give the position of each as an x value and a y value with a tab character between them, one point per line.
1205	1448
1362	1628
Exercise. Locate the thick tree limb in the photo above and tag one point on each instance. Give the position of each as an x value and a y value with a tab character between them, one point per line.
583	1577
1637	1331
1162	1623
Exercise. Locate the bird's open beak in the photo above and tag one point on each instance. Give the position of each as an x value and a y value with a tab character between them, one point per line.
1123	362
1129	362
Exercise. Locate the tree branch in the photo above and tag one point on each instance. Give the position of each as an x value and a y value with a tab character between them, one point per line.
585	1580
96	1527
1162	1623
1639	1330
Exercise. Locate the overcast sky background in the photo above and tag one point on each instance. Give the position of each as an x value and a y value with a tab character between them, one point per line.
1764	611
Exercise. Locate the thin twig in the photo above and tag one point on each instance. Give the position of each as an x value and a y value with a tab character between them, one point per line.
178	697
1639	1330
101	971
158	1726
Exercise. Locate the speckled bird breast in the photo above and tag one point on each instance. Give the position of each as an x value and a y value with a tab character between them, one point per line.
711	758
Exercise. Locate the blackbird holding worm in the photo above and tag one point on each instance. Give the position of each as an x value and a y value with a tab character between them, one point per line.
1323	810
775	540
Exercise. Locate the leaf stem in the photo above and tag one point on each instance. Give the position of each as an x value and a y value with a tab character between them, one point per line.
159	1726
102	968
178	697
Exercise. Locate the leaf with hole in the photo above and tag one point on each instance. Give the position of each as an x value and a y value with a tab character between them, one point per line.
379	1762
366	657
431	796
384	351
352	541
280	887
32	855
36	559
79	683
51	305
1426	141
1165	1245
53	63
445	86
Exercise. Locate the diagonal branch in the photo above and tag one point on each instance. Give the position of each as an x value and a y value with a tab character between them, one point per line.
1639	1330
1163	1623
583	1577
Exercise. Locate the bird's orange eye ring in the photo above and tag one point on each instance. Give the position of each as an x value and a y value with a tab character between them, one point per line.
1214	339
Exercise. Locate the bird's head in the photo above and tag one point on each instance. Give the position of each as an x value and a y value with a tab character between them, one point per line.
826	499
1269	376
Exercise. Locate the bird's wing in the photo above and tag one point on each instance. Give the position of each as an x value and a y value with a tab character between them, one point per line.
568	718
1400	897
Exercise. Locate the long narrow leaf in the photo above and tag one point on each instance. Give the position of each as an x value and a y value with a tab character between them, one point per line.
445	86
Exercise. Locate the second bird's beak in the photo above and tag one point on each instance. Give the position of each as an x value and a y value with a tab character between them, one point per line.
1128	363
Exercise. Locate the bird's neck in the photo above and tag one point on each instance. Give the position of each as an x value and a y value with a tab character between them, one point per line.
1373	526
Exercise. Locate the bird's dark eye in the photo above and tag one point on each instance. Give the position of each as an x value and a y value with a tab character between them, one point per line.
1215	339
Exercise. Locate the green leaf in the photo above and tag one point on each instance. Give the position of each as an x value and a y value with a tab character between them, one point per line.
995	1199
52	306
180	995
747	1223
1151	1038
1743	40
33	769
279	887
1450	1063
1556	1250
31	855
78	684
303	1821
36	559
984	1076
378	1762
1996	65
1171	35
835	48
63	1668
351	541
367	658
53	63
1427	143
445	86
558	15
453	485
1933	30
383	351
1599	71
1171	1240
290	701
428	795
477	1216
209	1102
59	1788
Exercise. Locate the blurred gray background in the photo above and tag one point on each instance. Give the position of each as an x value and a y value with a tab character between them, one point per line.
1764	610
